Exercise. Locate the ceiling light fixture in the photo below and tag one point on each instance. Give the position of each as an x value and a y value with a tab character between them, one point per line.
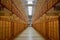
30	1
30	10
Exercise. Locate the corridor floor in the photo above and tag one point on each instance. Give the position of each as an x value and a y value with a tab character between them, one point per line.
29	34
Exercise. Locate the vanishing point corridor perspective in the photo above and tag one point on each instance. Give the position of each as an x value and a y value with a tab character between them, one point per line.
29	19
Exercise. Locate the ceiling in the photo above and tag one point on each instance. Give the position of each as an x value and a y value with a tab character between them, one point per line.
25	3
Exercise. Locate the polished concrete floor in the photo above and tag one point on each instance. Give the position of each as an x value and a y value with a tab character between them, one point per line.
29	34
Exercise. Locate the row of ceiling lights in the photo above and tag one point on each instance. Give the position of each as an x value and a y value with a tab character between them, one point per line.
30	2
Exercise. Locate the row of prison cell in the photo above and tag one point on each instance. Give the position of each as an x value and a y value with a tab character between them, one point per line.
46	19
42	7
9	30
16	7
10	24
48	26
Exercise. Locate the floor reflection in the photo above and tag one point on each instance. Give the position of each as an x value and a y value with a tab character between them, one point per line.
29	34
